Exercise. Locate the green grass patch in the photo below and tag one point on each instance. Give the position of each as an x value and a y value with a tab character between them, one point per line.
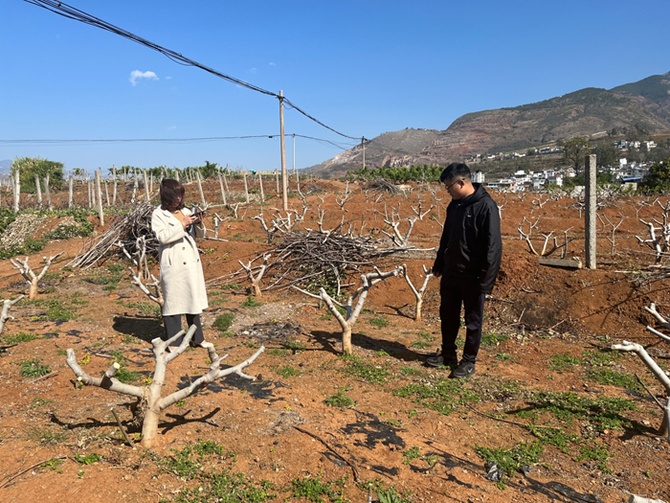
443	395
598	454
561	361
613	378
354	365
288	371
34	368
88	459
223	322
340	400
19	337
251	302
47	436
493	339
201	462
602	358
512	460
379	321
127	376
424	341
315	490
601	413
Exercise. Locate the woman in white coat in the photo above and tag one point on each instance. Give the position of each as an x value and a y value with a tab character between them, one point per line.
181	276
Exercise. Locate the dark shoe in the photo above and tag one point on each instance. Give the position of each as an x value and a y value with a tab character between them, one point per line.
440	361
463	370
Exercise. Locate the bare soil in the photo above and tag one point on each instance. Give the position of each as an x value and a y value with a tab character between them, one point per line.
280	427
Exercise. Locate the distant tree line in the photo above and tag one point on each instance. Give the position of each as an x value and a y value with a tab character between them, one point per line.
424	173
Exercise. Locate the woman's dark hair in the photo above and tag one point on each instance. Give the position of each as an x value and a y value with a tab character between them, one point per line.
172	195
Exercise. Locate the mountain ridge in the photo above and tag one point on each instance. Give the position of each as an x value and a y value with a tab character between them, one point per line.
637	107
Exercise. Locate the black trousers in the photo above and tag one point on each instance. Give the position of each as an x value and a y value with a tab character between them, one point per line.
453	295
172	325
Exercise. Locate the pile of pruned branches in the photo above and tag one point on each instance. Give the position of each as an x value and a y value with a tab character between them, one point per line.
312	259
380	185
123	233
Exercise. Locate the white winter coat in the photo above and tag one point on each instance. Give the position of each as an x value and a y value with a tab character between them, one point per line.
181	276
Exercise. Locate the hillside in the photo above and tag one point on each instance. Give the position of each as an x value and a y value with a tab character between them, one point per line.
639	107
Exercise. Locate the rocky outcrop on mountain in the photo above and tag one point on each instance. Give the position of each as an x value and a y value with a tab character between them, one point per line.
640	107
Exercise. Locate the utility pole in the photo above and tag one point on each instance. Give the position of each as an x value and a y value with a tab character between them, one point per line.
284	178
363	144
591	209
294	153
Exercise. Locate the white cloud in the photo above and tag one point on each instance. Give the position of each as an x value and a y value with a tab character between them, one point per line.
136	75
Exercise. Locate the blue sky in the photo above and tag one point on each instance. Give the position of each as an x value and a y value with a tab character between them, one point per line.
362	67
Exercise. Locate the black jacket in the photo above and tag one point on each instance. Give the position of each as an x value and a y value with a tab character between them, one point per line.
471	245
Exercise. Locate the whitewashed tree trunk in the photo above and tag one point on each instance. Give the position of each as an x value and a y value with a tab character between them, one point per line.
153	403
47	191
16	188
38	190
70	195
98	193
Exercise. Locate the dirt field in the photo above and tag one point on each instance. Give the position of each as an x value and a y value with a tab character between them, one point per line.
315	424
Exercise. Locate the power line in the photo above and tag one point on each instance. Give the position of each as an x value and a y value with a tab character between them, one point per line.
73	13
72	141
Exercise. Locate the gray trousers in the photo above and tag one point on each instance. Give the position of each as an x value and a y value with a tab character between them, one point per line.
172	325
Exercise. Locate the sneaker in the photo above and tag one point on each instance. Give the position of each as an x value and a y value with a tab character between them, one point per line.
203	344
463	370
439	361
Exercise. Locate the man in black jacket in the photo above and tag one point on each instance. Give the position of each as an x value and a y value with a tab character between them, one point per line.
467	262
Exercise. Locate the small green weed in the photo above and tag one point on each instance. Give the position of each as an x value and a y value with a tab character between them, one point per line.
87	459
53	464
493	339
313	489
597	454
553	436
288	371
340	400
561	361
223	322
442	395
39	402
613	378
408	371
293	346
34	368
379	321
127	376
46	436
425	340
57	310
602	358
19	337
511	460
250	302
390	496
602	413
410	455
354	365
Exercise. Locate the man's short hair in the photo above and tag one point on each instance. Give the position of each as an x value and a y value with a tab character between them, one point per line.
455	170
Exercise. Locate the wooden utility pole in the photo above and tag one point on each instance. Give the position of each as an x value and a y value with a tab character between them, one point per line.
284	178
